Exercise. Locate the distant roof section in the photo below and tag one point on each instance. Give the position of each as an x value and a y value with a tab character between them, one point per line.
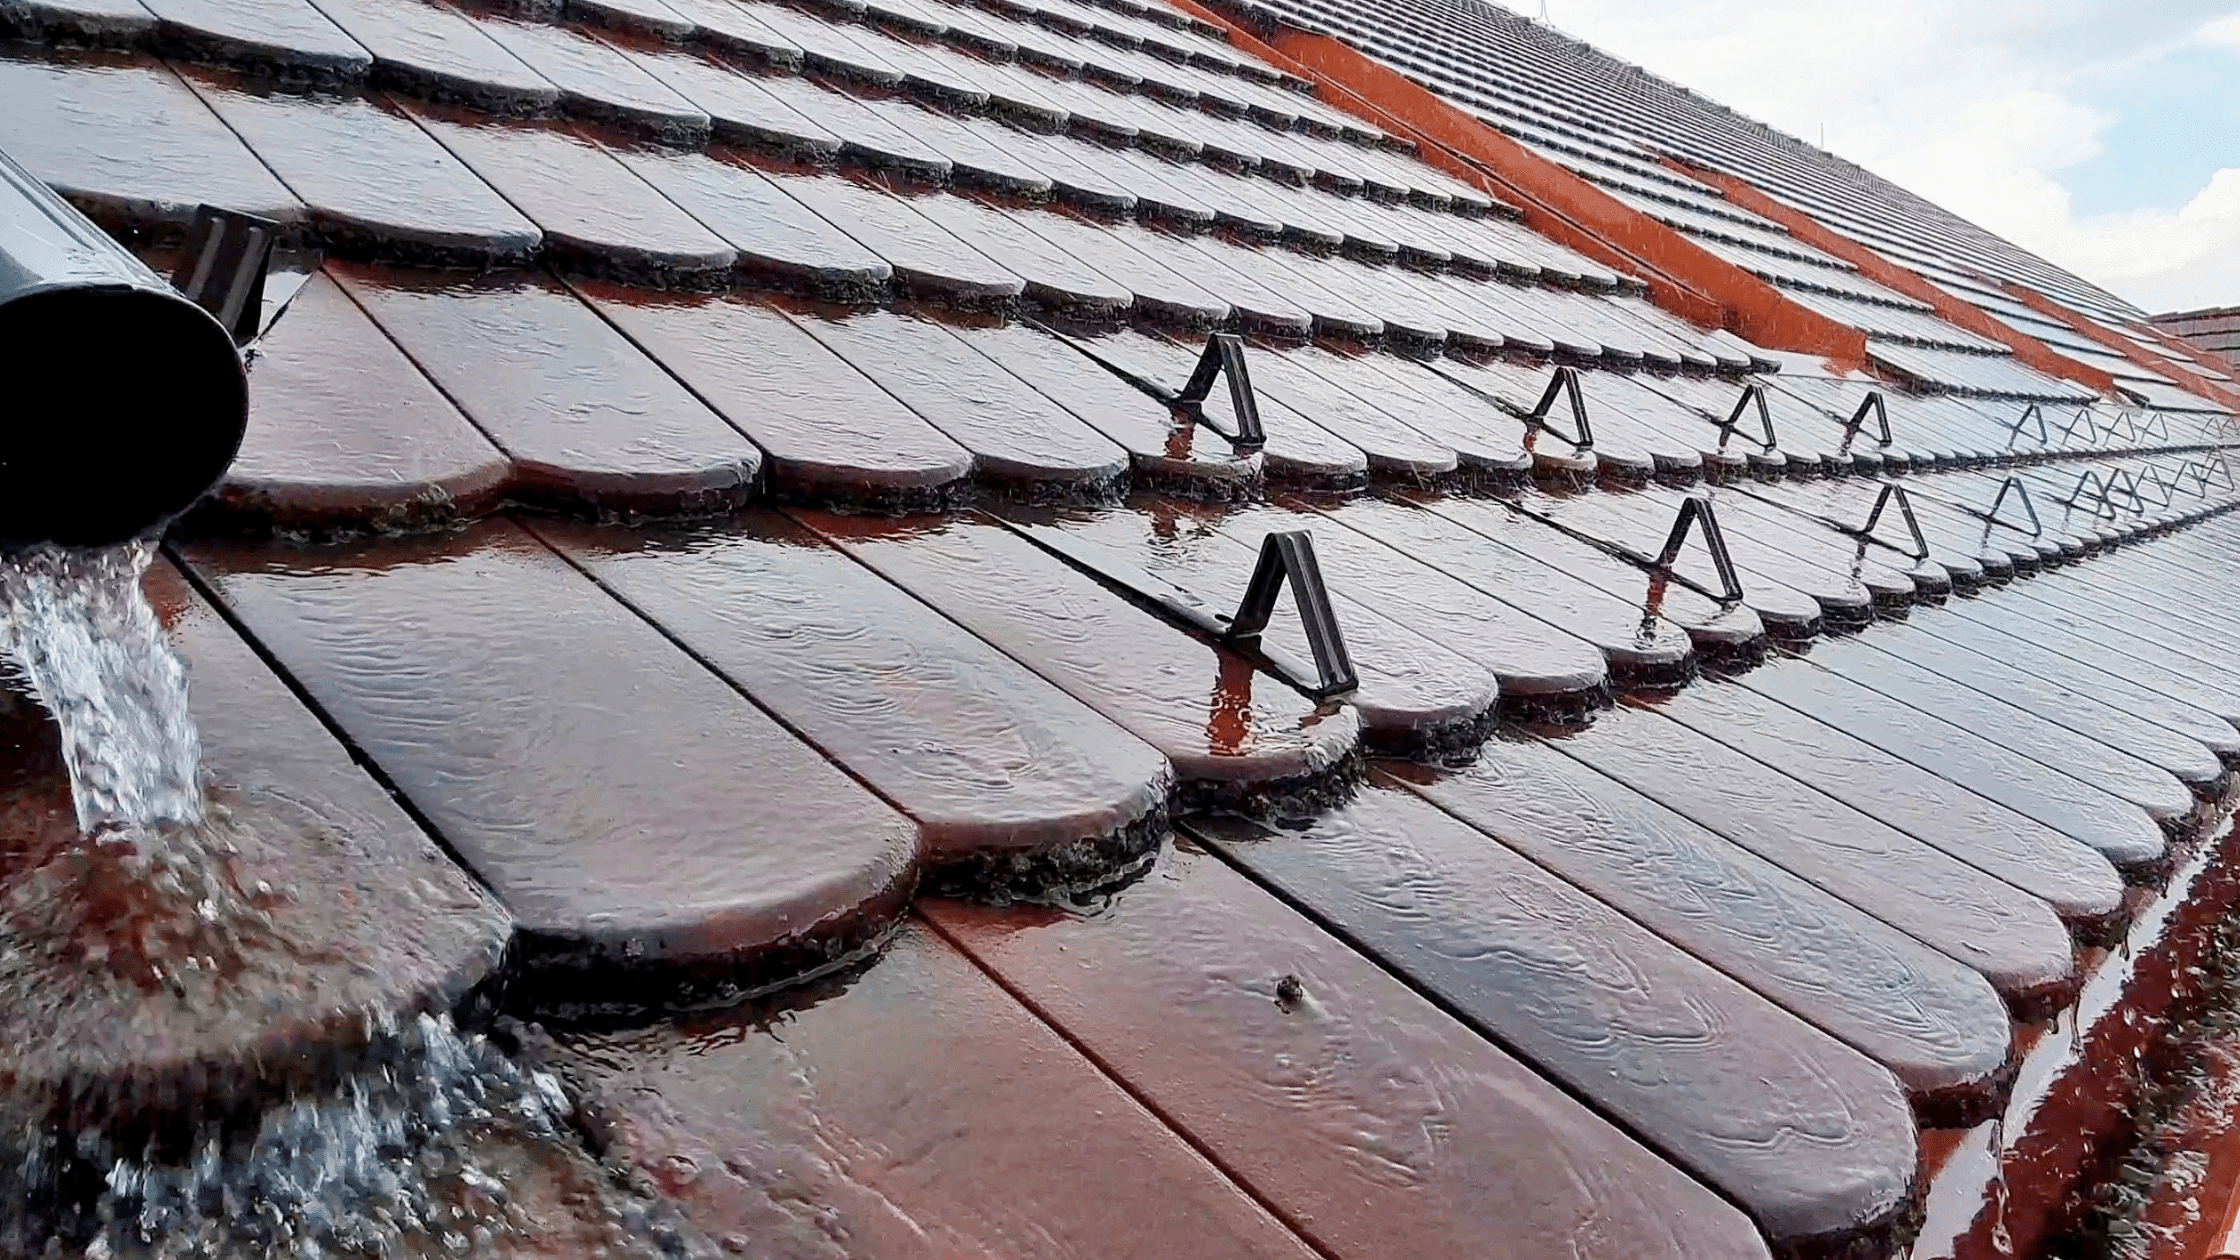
2216	329
1618	119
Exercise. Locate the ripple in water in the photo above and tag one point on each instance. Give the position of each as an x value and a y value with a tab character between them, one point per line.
141	912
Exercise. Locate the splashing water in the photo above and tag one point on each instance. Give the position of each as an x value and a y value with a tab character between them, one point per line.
75	622
438	1145
155	916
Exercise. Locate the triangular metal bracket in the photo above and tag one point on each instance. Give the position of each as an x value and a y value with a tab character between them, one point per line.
1565	381
2155	425
1288	556
1283	556
2124	425
1752	395
2021	492
2034	411
2204	471
1870	405
2130	486
223	268
1224	357
1893	492
1696	510
2154	476
2098	504
2083	417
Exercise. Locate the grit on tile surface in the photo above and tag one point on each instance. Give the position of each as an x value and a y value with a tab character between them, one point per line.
767	518
919	1107
1810	1137
1238	1019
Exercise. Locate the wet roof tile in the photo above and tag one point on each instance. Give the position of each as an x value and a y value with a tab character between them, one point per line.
1714	1077
614	794
1233	733
129	143
1010	780
1424	1116
598	81
587	419
1019	439
376	183
437	53
290	38
1936	1025
830	434
344	429
597	215
964	693
780	241
786	1129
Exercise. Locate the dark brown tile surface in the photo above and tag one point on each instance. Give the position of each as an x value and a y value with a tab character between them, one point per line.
1366	1116
2117	829
375	183
929	261
2014	938
290	38
1937	1025
1011	781
1233	733
814	1128
632	809
597	215
2076	880
830	434
345	432
590	423
596	81
130	144
439	54
1416	696
1021	442
1807	1135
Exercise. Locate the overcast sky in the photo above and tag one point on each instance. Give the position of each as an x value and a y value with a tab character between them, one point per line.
2103	134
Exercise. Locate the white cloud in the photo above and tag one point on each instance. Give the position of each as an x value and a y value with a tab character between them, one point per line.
1974	106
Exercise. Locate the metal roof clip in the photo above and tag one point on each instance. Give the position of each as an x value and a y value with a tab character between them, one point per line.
1696	510
1224	357
1751	394
1289	556
1892	492
1285	557
1565	381
2155	477
2083	417
2022	493
2032	412
2098	504
1870	405
223	268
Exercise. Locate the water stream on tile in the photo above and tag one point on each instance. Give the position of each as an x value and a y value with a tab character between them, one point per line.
74	622
135	893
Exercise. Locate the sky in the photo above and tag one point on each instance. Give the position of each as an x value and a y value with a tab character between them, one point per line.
2101	134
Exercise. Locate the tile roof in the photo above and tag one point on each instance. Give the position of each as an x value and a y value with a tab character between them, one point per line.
729	469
